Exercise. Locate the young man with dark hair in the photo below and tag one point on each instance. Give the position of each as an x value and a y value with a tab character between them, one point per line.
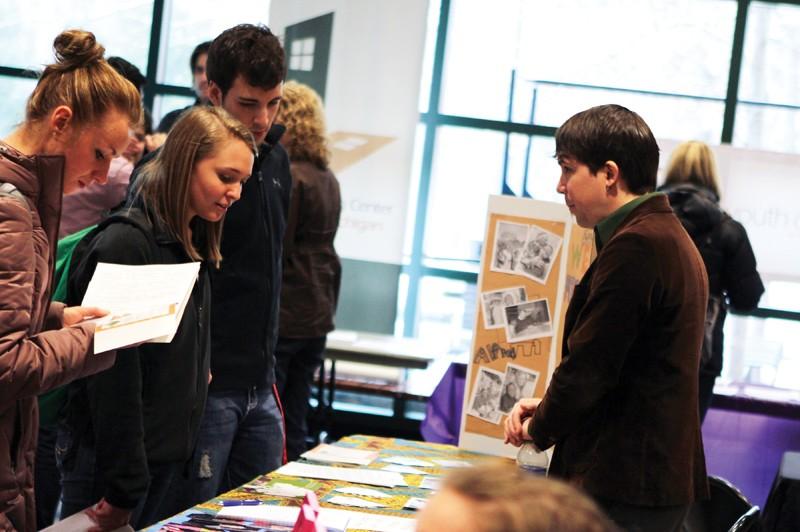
621	408
241	435
197	64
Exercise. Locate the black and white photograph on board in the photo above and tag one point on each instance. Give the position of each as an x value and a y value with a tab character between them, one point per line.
538	254
486	395
519	382
509	240
528	320
495	303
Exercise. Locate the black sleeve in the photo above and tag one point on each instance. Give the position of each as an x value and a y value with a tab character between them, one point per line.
169	120
115	395
137	170
740	278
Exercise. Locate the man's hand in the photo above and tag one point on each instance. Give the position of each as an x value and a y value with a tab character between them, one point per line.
75	315
519	420
108	517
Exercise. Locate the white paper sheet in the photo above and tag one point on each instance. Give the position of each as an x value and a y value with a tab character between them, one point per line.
403	469
334	520
364	492
339	454
280	489
380	523
452	463
407	461
145	302
355	502
357	476
431	483
415	503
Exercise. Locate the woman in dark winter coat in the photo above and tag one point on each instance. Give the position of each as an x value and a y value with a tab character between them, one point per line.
129	430
692	184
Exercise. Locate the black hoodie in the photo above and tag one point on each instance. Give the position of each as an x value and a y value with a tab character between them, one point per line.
726	252
246	289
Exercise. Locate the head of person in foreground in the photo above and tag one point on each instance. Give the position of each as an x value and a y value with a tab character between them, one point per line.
499	497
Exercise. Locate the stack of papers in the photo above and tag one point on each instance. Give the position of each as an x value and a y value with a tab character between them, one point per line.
339	454
335	520
406	470
373	477
145	302
407	461
364	492
358	502
281	489
452	463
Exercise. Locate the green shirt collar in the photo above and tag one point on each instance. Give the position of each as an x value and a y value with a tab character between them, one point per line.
606	227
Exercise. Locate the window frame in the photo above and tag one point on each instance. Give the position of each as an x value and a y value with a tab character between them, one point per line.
415	268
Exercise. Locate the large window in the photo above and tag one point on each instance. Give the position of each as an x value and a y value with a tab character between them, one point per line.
768	114
187	24
124	28
539	62
502	79
12	105
498	80
29	27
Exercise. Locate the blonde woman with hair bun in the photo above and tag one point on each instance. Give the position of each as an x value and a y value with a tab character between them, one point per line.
311	267
693	186
76	121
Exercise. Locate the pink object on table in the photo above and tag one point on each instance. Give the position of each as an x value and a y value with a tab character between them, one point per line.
308	519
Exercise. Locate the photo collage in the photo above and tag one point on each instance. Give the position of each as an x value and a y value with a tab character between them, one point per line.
495	393
528	251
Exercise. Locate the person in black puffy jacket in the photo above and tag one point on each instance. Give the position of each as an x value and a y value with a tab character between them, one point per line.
127	432
692	185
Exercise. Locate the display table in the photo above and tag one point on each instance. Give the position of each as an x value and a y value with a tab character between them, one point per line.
401	354
394	505
380	349
782	511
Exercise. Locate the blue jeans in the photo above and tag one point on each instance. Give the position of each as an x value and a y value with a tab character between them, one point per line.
241	437
297	359
47	478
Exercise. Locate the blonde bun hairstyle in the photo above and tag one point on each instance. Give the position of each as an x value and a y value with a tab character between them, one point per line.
82	80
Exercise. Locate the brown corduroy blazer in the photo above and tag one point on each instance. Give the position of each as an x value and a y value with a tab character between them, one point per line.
622	407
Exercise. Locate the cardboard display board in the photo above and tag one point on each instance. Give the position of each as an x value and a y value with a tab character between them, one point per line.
533	256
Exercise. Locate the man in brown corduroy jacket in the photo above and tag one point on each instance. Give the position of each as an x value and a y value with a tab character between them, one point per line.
621	408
